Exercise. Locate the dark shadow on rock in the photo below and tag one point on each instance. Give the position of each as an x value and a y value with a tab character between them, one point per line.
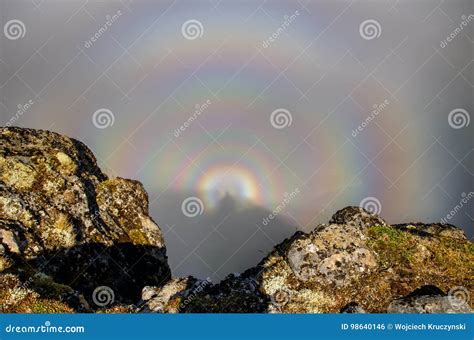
352	308
87	160
427	290
428	230
125	268
234	294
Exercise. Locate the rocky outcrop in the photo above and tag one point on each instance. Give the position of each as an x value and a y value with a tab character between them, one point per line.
61	217
173	297
357	263
352	308
74	240
429	300
17	297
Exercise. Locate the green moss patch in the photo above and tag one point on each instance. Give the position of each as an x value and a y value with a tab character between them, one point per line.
392	245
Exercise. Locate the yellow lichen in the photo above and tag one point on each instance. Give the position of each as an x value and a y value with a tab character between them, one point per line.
137	237
59	234
5	263
309	301
67	165
13	209
16	174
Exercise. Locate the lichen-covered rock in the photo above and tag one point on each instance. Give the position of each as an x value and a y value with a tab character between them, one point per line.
357	217
60	215
360	258
334	254
430	300
352	308
20	297
357	263
167	299
118	309
235	294
238	293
